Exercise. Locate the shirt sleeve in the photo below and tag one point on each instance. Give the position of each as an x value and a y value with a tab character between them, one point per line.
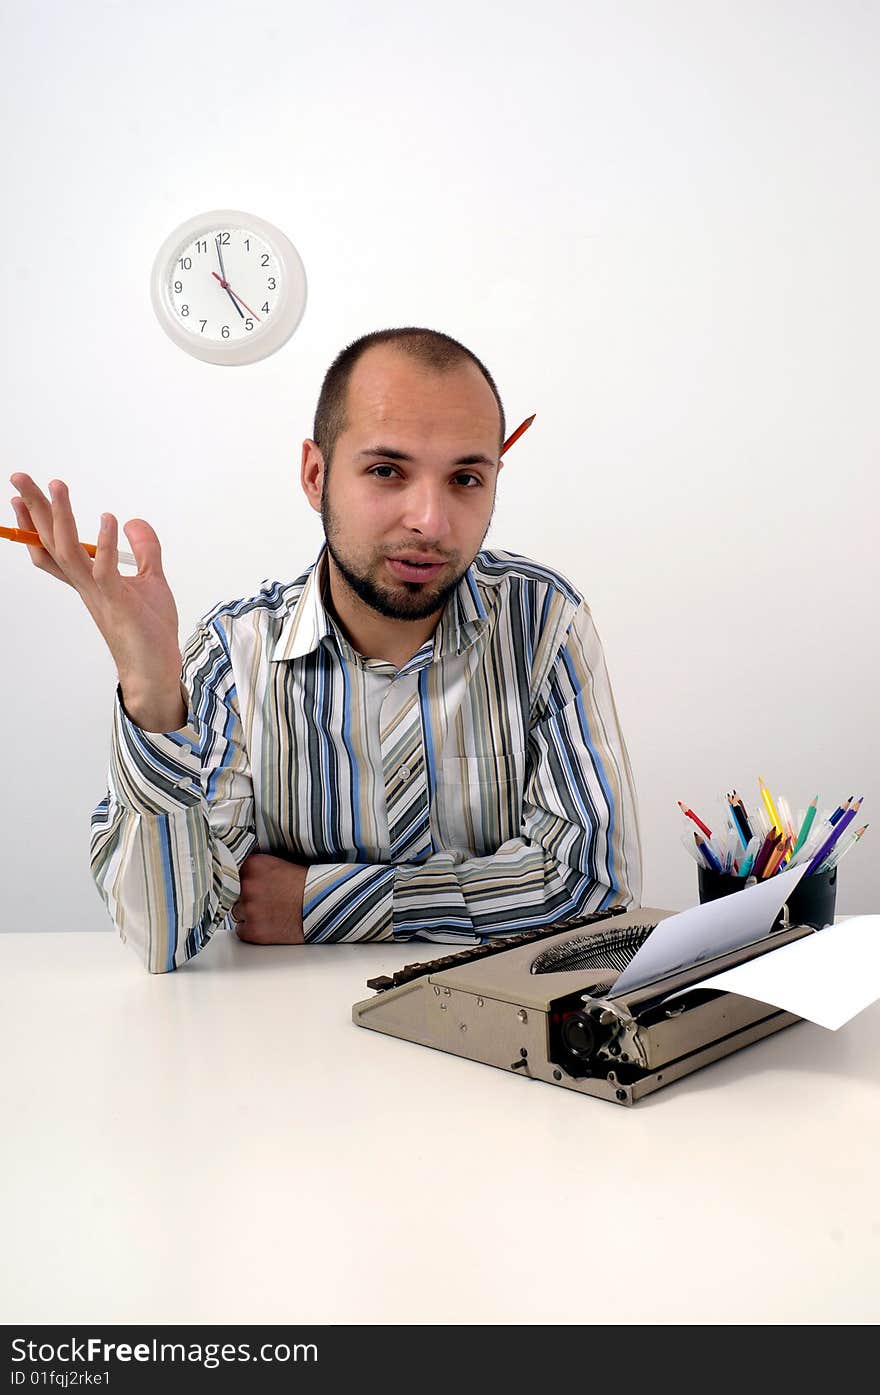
177	822
579	849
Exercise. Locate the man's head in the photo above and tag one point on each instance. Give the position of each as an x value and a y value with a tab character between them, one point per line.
417	394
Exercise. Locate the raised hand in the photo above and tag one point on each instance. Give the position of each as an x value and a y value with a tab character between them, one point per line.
137	616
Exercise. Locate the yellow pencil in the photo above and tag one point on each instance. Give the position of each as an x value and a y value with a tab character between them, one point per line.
770	806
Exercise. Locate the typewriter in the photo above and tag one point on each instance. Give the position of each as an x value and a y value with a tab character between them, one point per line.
540	1004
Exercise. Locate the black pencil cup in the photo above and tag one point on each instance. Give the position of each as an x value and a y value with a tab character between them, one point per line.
811	903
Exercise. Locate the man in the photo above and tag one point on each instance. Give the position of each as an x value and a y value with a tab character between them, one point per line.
414	738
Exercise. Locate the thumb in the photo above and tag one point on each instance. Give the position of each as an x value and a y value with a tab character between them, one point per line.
144	544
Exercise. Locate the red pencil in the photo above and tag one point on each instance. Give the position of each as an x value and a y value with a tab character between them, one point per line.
518	432
689	813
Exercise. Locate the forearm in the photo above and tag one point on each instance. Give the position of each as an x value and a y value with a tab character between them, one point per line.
164	857
445	898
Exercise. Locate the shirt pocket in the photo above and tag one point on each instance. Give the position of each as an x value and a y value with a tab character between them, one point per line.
478	804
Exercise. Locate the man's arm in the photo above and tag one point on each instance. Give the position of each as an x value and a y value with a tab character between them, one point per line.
579	849
170	836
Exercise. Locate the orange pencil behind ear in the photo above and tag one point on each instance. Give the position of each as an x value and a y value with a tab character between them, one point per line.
518	432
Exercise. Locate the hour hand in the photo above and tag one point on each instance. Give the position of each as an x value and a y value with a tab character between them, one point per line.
236	298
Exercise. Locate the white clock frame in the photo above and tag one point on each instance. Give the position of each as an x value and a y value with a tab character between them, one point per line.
284	317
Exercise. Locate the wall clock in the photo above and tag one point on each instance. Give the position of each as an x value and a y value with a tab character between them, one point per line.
228	287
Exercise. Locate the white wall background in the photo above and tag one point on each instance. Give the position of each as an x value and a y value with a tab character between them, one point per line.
658	224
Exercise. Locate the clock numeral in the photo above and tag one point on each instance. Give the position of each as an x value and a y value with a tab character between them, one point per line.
265	261
265	308
225	331
271	283
178	287
202	323
184	309
186	263
223	239
249	324
202	245
247	243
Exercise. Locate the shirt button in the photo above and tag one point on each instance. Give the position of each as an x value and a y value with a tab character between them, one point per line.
405	773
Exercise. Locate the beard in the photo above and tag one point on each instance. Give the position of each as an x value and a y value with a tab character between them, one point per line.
407	600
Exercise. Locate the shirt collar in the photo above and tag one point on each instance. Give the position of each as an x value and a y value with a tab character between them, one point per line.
462	621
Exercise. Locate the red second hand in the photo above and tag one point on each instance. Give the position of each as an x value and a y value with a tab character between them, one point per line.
226	286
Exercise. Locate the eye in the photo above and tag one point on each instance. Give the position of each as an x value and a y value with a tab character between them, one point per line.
376	468
477	481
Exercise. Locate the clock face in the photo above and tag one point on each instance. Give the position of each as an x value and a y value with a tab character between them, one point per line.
228	287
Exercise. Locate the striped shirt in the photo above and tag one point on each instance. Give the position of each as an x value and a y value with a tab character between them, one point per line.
482	788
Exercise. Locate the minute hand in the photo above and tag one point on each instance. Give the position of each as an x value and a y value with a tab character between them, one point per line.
226	286
222	279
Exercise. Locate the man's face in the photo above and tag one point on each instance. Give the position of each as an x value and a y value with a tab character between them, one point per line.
383	514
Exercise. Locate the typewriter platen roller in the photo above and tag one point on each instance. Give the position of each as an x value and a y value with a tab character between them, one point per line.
540	1005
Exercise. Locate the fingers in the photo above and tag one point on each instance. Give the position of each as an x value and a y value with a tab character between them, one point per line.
105	568
145	545
63	554
54	521
39	556
38	506
68	551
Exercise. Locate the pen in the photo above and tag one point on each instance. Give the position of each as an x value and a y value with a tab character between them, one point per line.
838	852
787	820
818	833
688	845
518	432
832	838
689	813
760	821
750	855
718	846
708	854
24	535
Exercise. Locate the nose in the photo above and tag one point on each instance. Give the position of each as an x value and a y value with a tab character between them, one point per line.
426	509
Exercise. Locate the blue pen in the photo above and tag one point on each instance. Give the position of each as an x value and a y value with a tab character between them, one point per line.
709	855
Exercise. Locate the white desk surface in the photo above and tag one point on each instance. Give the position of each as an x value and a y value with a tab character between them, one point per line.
223	1145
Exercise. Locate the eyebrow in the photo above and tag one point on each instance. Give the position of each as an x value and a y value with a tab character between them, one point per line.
401	455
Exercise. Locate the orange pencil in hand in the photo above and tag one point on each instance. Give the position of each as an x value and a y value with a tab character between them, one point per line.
23	535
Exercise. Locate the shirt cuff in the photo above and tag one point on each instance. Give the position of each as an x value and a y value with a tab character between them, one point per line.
348	901
376	901
153	772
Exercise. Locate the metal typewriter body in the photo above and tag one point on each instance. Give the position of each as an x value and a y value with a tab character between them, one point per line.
539	1005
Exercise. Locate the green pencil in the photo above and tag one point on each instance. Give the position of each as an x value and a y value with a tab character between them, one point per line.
806	825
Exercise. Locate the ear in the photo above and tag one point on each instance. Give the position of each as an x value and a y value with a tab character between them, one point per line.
312	474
